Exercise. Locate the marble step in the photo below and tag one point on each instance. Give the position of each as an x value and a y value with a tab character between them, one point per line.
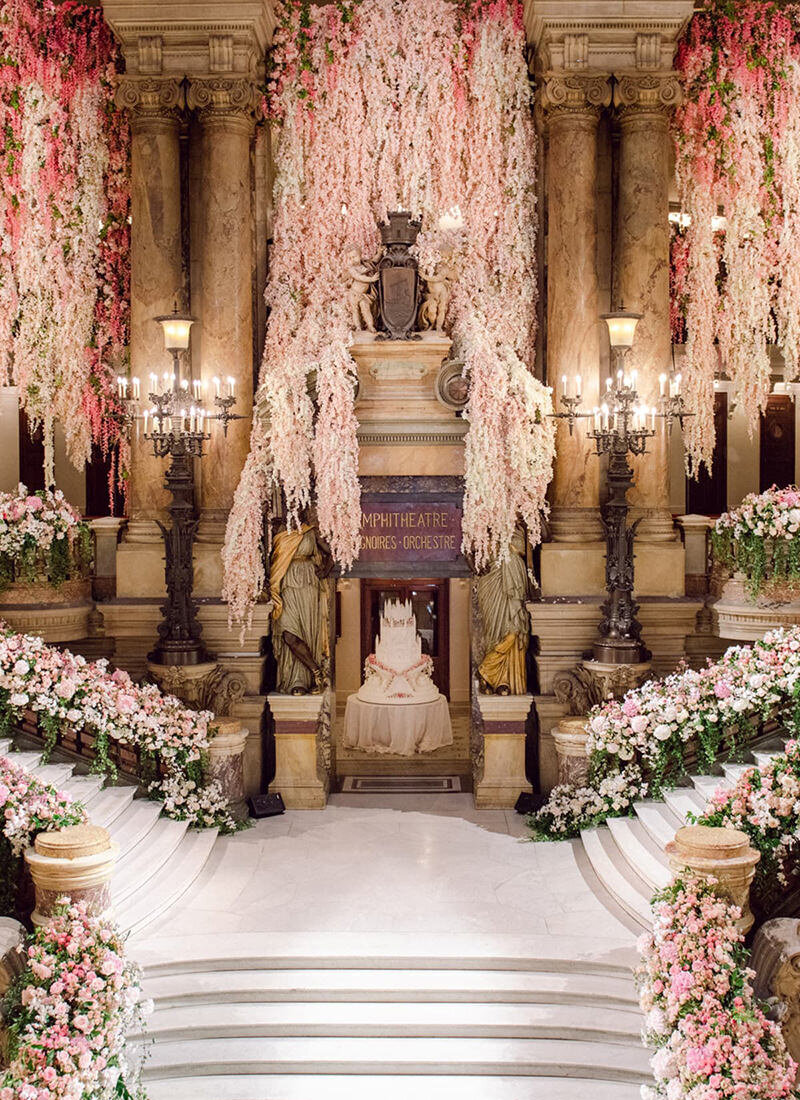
683	801
107	805
412	1056
27	760
131	828
616	875
160	888
764	756
706	785
345	1087
57	775
658	820
645	858
733	771
400	951
406	986
6	746
82	788
366	1019
154	850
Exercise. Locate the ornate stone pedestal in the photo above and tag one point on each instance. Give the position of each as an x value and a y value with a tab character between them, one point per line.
571	737
77	862
226	763
206	686
614	680
739	618
106	536
502	779
721	854
302	751
776	962
55	614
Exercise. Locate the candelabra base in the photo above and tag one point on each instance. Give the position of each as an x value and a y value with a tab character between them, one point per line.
179	653
613	678
620	651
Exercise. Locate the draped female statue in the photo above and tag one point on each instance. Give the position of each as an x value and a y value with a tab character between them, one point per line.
502	592
299	591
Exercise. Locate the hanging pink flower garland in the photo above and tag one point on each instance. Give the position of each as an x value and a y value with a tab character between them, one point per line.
419	104
738	146
64	234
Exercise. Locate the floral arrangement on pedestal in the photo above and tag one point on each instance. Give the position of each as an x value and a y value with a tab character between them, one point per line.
68	1013
43	539
422	105
28	807
712	1040
64	689
638	745
737	137
64	233
761	539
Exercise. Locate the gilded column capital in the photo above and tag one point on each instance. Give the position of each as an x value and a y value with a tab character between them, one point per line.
150	97
223	100
637	94
574	93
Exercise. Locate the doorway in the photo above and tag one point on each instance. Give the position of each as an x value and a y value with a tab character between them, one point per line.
430	600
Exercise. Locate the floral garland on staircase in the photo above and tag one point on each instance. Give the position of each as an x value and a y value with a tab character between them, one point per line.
637	746
419	104
64	233
737	137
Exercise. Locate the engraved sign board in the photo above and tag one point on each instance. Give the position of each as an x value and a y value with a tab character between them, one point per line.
410	531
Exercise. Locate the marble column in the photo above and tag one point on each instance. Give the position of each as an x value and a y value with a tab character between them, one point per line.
224	107
155	106
572	104
643	102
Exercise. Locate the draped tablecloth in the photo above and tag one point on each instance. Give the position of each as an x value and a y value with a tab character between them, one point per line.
400	728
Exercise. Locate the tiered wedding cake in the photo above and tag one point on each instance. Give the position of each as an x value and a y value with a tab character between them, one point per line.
397	672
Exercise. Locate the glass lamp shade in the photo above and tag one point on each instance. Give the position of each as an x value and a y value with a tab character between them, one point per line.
176	328
621	327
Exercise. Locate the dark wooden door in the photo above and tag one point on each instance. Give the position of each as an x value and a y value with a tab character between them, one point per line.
777	443
31	454
430	600
707	494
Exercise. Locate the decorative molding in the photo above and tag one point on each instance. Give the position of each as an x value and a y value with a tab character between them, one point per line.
576	51
576	94
222	97
646	93
151	54
373	436
648	51
151	97
220	53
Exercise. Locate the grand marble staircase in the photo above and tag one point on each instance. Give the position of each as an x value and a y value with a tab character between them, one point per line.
296	1016
159	858
627	853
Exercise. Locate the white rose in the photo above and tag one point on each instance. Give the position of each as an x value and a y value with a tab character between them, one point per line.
21	667
18	699
662	732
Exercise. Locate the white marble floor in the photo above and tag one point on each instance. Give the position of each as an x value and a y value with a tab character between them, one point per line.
396	864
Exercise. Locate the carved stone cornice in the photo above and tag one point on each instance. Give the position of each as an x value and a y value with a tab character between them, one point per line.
222	99
574	93
148	97
637	94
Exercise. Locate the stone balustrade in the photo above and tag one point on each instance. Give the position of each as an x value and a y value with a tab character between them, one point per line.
720	855
76	862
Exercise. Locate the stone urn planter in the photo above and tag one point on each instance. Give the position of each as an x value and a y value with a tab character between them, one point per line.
741	618
56	614
571	739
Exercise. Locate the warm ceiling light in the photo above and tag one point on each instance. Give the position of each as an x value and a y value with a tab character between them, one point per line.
621	327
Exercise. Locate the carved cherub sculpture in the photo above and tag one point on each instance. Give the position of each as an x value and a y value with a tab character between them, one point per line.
360	295
437	297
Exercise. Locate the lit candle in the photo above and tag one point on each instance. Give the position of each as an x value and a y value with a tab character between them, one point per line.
605	417
577	385
153	382
653	418
119	385
678	383
596	419
196	389
231	385
172	379
183	422
165	378
608	385
146	414
619	377
191	419
200	415
216	387
633	379
135	383
662	381
184	384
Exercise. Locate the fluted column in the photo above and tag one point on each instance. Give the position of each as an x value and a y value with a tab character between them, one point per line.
155	108
225	108
572	105
643	102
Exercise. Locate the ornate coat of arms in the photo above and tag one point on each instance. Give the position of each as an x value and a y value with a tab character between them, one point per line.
398	278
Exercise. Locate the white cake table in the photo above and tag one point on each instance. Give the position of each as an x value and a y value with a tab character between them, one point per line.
399	728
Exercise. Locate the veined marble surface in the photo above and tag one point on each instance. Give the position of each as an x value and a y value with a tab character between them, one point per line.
392	864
